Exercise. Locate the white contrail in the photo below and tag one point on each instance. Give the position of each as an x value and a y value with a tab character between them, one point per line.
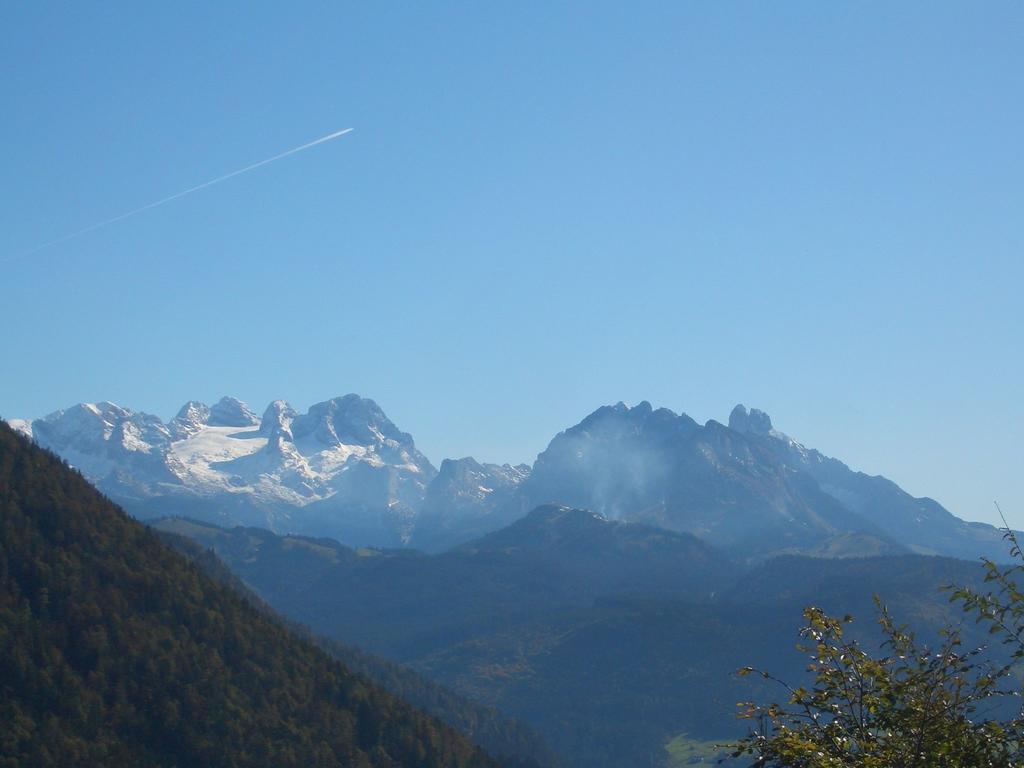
189	191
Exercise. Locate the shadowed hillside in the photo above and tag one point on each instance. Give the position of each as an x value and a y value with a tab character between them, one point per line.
115	650
512	743
609	638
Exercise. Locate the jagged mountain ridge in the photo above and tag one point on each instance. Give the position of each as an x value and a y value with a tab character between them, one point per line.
922	524
342	469
468	499
745	487
345	471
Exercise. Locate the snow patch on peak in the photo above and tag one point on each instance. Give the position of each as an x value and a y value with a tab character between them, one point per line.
192	417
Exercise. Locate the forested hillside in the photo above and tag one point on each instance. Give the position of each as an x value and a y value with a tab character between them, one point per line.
511	742
115	650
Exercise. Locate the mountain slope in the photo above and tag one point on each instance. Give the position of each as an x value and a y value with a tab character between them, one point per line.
115	650
609	638
655	467
400	603
745	487
923	525
606	557
512	743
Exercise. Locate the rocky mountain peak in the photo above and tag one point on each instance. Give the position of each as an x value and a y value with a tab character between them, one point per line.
194	412
232	412
277	419
754	422
348	420
191	417
80	424
475	476
612	422
455	469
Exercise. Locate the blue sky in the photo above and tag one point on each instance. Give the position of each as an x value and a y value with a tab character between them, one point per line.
815	209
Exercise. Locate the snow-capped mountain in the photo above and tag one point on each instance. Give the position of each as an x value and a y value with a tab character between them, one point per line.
341	469
344	470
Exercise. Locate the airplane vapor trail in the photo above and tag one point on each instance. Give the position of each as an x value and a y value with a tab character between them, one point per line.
188	191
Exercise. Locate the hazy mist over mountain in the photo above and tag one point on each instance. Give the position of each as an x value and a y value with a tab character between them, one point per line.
344	470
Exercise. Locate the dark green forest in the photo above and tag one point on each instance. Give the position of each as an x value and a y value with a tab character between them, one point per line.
116	650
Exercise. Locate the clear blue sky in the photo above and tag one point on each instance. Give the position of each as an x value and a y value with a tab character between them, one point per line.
812	208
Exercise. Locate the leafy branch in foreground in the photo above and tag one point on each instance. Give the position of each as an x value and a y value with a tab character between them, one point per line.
912	707
1003	609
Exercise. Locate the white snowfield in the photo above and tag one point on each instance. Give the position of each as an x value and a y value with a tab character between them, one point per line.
341	470
226	452
206	458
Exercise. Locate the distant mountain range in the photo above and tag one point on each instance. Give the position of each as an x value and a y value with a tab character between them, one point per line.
610	638
345	471
744	487
341	469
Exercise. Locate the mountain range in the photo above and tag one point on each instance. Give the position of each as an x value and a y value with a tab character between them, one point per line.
603	596
341	469
612	639
344	470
